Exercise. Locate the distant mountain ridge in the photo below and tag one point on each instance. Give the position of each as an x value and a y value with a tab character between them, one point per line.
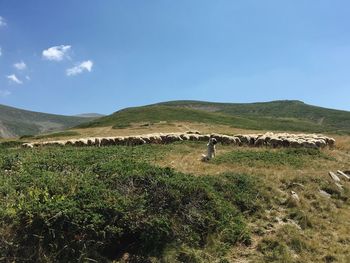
16	122
87	115
283	115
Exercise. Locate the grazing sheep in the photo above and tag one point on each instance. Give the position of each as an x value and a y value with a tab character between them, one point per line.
136	140
69	142
172	138
78	143
90	141
257	140
104	142
309	144
155	138
146	139
320	143
275	142
193	132
245	139
260	141
27	145
119	141
225	139
97	142
185	137
194	137
294	143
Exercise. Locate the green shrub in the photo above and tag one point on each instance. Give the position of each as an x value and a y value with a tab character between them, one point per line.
10	144
100	203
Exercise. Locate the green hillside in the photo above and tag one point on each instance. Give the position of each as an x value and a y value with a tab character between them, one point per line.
205	112
328	119
17	122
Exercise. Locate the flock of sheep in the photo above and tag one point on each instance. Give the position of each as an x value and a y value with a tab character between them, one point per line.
268	139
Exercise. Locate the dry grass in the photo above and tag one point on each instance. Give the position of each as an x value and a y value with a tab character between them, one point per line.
324	222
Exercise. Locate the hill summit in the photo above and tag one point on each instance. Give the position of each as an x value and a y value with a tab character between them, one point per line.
282	115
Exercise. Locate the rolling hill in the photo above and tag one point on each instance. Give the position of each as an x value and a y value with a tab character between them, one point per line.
17	122
275	115
336	119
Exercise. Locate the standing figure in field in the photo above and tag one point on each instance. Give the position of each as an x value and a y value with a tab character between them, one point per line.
211	150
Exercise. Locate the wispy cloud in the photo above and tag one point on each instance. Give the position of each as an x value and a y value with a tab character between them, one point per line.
80	68
4	93
2	21
0	51
56	53
13	78
20	65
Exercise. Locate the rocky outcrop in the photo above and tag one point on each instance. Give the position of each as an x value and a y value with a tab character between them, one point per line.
270	139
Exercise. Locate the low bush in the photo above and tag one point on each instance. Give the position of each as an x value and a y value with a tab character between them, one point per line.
79	204
10	144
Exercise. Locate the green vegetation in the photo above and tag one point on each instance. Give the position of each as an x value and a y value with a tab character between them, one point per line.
104	203
275	116
296	158
10	144
96	204
326	119
17	122
155	114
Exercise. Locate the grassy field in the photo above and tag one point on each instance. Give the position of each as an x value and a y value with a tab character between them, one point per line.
159	203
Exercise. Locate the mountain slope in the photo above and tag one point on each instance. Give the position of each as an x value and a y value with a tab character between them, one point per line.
17	122
279	115
328	118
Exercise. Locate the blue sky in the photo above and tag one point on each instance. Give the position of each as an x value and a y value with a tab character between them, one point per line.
70	57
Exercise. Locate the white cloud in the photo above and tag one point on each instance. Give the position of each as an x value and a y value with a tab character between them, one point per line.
20	65
13	78
0	51
2	21
56	53
4	93
83	66
27	77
